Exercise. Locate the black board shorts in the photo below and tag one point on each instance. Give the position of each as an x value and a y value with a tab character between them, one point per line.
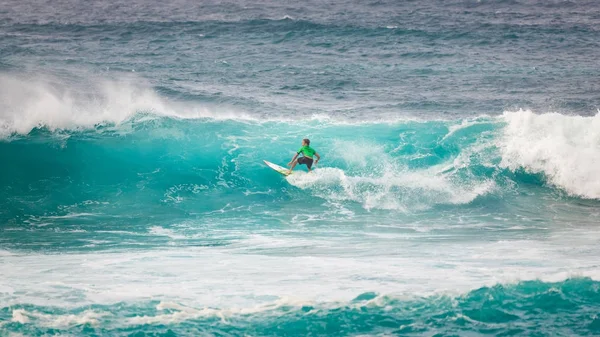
305	161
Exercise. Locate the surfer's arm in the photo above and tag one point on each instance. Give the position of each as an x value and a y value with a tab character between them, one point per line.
291	161
318	158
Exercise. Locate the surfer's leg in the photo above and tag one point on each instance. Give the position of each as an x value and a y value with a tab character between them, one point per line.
293	165
308	162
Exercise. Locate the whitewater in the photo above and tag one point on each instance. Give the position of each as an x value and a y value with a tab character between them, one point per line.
457	195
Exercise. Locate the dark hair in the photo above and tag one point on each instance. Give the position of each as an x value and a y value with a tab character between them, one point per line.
306	140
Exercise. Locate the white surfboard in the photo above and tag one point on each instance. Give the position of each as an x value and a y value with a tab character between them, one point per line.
277	168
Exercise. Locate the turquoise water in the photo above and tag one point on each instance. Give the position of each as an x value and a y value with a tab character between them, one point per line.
457	194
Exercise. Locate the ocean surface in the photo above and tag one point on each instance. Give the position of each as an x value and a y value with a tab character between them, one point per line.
458	192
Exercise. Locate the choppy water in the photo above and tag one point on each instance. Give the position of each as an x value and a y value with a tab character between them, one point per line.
457	195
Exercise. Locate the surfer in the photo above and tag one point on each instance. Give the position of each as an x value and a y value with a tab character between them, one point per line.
307	156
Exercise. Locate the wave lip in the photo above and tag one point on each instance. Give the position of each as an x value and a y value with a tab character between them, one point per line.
27	104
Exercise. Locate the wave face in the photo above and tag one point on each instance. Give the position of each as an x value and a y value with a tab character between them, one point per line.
179	164
406	166
458	192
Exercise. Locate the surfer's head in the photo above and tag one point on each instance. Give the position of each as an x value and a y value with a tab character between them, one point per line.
306	141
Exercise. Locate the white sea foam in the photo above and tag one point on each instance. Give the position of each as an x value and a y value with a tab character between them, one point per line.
565	149
160	231
182	313
234	277
20	316
399	190
57	321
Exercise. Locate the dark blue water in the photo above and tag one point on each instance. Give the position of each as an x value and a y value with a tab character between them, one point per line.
457	195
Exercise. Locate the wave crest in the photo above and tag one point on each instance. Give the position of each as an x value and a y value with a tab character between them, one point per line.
565	149
27	103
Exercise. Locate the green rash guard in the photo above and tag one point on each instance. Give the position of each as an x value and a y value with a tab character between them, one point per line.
307	151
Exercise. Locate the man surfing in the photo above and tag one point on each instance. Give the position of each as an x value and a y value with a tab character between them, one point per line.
307	156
